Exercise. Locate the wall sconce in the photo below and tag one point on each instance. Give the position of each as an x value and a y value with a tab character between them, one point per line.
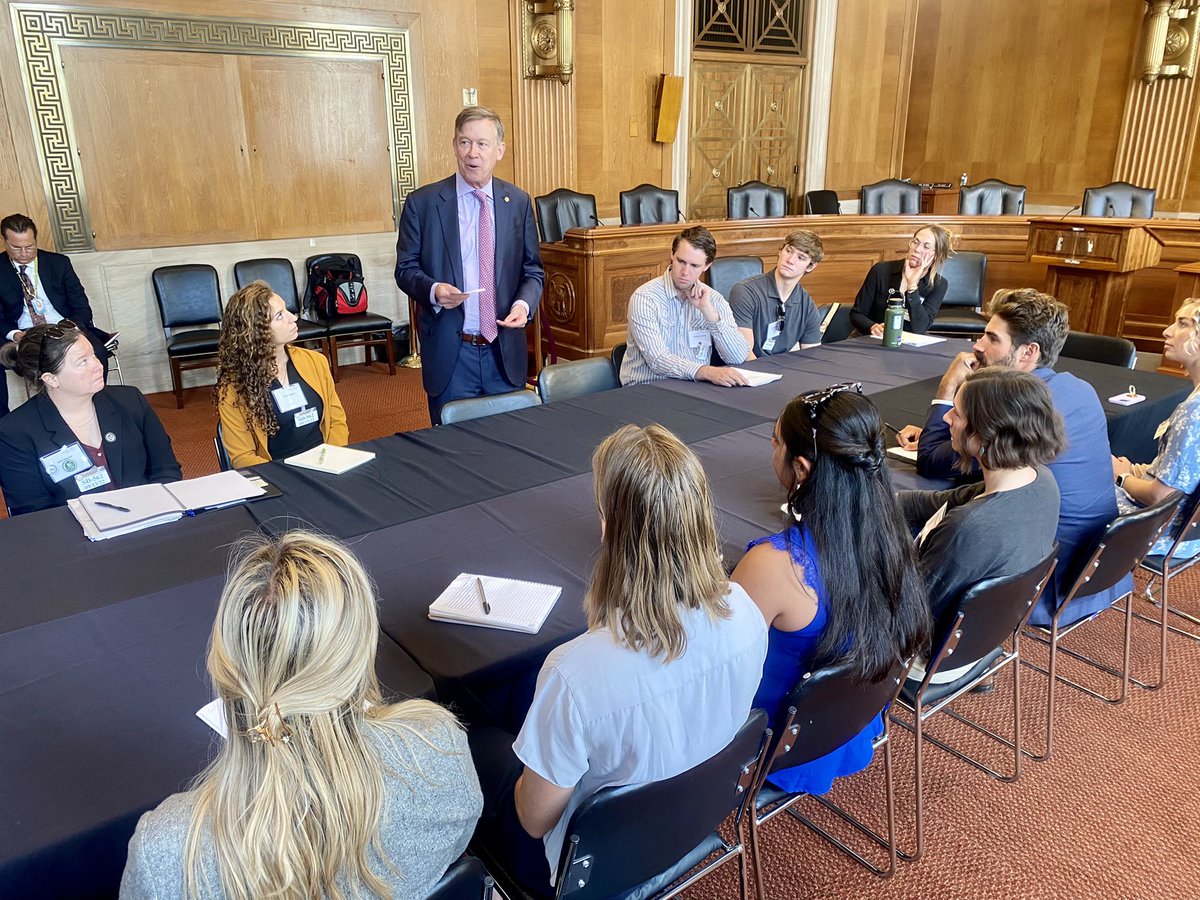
547	42
1170	40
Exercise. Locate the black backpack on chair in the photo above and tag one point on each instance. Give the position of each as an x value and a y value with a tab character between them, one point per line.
335	286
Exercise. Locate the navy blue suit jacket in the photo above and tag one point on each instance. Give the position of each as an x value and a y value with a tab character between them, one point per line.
427	252
141	452
1083	471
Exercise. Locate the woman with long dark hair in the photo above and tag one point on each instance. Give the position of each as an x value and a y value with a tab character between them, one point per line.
840	581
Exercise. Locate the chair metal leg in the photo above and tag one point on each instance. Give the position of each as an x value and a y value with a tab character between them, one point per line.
756	856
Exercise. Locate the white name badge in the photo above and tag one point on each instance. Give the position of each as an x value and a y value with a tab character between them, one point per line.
290	397
698	339
306	417
66	462
93	478
773	331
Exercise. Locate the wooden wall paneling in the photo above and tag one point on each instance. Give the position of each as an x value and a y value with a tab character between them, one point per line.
716	141
869	96
317	133
12	191
146	186
1033	98
776	126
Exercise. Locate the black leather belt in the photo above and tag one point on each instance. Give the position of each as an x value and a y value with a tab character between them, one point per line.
475	340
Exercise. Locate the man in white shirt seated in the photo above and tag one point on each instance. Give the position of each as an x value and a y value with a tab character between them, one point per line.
675	320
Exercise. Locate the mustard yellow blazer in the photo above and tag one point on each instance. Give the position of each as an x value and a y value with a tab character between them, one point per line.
247	446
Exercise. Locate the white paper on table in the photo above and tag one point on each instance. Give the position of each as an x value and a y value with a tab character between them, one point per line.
912	339
758	379
213	715
1127	399
900	453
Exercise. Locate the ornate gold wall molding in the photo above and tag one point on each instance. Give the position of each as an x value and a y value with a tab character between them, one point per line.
545	132
41	30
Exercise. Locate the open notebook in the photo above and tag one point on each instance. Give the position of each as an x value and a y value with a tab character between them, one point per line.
514	605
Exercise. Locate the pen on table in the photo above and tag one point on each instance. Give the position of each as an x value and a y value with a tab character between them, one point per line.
892	428
115	506
487	607
321	457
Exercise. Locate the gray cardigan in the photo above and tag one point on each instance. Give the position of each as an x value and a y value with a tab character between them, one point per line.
425	825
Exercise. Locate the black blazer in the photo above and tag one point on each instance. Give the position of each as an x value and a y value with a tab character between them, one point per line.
60	283
141	452
427	251
871	302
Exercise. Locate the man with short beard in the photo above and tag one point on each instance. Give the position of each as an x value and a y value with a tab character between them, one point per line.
1026	331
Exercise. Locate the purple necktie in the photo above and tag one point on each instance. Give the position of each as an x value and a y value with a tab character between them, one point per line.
487	269
31	298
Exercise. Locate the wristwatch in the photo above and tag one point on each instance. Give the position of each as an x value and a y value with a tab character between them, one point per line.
1121	480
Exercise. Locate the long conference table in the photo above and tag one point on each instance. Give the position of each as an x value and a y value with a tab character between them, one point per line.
102	646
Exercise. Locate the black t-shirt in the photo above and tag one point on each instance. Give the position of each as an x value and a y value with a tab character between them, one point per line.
291	438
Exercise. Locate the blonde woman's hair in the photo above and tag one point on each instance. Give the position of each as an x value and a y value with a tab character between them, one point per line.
294	798
660	555
1190	309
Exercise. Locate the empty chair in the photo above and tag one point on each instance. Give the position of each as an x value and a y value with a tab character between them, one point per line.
755	200
188	297
890	197
467	879
639	840
837	327
277	272
726	271
992	197
965	273
364	330
576	377
1101	348
821	203
493	404
1121	199
562	209
648	205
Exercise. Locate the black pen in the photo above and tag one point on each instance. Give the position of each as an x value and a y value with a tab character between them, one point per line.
892	428
115	506
487	607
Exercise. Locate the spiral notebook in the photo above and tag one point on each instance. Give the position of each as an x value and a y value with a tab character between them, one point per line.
514	605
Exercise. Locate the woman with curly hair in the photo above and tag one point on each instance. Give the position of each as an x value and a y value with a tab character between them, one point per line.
275	400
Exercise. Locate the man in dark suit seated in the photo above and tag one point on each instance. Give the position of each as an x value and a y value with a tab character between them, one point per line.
39	287
468	255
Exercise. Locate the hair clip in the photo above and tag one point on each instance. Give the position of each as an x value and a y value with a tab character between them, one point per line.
262	731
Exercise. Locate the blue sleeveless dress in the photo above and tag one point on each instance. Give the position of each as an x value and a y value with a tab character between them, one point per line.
789	655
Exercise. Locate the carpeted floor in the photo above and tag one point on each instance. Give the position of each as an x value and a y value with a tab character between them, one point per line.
1114	814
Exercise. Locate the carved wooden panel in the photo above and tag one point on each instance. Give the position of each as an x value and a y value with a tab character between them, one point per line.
774	112
758	26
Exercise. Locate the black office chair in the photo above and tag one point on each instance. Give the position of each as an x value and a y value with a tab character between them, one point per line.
821	203
618	356
364	330
1166	567
839	327
277	272
639	840
562	209
188	296
1120	199
965	273
1115	552
577	378
491	405
988	616
649	205
890	198
726	271
1101	348
224	463
991	197
467	879
755	200
826	709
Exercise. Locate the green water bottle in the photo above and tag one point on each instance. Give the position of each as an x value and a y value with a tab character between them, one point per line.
893	320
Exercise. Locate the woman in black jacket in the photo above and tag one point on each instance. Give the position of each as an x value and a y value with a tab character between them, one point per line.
916	278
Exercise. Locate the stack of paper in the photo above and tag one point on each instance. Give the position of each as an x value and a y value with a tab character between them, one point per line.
912	339
514	605
758	379
331	459
909	456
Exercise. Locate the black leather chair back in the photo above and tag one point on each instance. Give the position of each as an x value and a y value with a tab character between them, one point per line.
890	198
825	709
467	879
821	203
755	200
223	460
630	834
992	197
478	407
618	357
276	271
989	613
726	271
649	205
1121	199
1118	549
1101	348
562	209
840	326
965	273
576	378
187	295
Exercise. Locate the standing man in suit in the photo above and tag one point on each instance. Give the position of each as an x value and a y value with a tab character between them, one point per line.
468	255
39	287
